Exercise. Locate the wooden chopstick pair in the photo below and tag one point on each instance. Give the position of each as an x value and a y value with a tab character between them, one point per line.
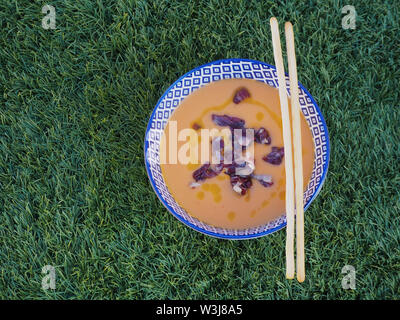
287	141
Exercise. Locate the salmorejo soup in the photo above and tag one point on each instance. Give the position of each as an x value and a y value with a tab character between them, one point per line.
226	165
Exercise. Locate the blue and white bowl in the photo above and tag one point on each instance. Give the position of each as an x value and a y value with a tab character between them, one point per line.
215	71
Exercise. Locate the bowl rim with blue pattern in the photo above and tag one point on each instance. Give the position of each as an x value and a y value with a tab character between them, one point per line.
215	71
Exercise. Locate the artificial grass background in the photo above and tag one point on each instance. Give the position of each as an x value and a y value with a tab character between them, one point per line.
74	193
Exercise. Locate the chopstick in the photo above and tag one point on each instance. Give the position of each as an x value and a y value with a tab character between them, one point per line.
287	143
298	157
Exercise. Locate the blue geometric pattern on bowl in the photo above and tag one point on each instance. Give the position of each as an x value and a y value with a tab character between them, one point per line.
215	71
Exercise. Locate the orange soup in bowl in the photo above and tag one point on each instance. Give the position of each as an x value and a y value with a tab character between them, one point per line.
223	154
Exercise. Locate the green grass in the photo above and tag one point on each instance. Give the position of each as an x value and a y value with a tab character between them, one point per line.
74	105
